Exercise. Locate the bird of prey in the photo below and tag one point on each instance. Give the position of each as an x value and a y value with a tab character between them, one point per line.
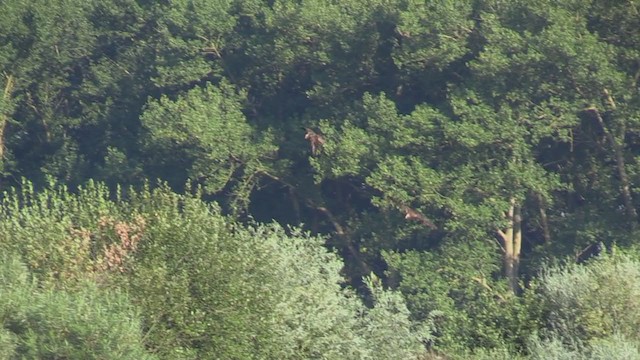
316	140
411	214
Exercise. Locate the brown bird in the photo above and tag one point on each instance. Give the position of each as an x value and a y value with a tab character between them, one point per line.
411	214
316	140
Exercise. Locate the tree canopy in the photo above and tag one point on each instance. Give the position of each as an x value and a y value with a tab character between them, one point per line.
156	160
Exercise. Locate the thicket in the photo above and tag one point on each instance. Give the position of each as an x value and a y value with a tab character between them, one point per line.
85	323
201	284
157	274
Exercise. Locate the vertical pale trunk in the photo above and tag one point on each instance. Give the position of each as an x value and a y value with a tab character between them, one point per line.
4	117
544	220
511	238
618	153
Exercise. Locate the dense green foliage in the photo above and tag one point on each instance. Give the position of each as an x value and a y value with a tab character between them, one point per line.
587	303
88	323
205	286
466	155
590	312
461	297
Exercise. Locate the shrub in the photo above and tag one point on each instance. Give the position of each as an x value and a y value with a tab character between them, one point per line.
206	286
86	323
589	311
614	347
210	287
592	301
471	310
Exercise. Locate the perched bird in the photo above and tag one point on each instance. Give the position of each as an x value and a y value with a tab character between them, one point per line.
411	214
316	140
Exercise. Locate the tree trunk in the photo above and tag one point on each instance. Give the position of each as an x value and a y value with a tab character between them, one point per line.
618	154
4	113
544	220
511	239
